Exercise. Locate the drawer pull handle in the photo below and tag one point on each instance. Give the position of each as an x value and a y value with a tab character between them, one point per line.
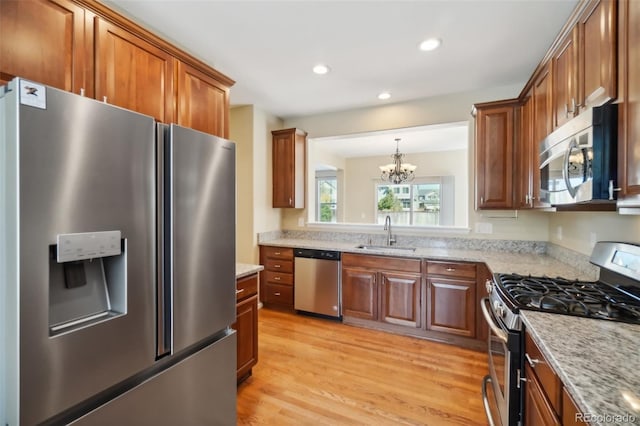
532	362
277	293
239	291
277	253
276	278
451	269
276	266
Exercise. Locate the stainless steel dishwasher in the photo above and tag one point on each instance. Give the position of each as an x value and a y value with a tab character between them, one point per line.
317	282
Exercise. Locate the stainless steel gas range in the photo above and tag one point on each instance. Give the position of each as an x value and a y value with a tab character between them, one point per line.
615	296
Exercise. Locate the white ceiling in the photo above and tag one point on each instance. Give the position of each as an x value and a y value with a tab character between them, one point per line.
270	47
437	137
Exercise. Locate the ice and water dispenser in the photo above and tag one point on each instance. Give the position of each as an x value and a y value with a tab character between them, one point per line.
87	280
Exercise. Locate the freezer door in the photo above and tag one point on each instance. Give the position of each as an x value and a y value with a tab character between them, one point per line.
84	167
202	234
199	390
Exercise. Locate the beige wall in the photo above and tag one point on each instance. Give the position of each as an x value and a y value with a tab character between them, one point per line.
250	128
576	229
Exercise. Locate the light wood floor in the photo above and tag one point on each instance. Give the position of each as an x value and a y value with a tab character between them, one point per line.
319	372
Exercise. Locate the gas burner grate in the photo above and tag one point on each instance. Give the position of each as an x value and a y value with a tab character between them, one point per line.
571	297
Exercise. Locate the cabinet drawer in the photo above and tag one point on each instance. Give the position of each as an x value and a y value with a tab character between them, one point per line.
279	294
277	252
277	265
549	381
246	286
278	278
381	262
452	269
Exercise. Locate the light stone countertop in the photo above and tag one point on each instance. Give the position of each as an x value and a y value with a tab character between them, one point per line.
245	269
598	362
497	261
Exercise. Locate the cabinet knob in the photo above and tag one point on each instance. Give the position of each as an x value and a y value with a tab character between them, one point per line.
289	200
276	278
451	269
276	266
277	253
481	200
277	293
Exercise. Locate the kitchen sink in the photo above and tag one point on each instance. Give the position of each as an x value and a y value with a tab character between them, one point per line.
386	248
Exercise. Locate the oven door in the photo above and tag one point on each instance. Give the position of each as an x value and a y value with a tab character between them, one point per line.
501	388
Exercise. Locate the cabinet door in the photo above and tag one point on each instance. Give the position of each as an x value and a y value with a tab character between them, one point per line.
288	168
629	108
132	73
542	125
537	410
452	306
400	299
525	160
598	58
359	293
202	102
44	41
565	79
247	327
494	156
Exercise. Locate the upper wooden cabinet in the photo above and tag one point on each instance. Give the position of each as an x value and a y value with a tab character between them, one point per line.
289	167
629	107
597	26
132	73
494	154
203	102
584	62
44	41
565	79
525	156
82	44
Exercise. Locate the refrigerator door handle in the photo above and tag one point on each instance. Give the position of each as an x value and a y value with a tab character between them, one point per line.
163	293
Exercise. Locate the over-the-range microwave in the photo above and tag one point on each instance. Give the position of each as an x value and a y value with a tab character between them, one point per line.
578	160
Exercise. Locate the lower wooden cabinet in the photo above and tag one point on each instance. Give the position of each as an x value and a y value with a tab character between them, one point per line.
359	293
538	409
546	400
451	298
381	289
276	281
246	325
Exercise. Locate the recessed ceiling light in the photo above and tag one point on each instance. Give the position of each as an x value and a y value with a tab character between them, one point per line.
430	44
321	69
384	95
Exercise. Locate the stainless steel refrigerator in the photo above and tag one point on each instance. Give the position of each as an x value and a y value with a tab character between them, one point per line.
117	261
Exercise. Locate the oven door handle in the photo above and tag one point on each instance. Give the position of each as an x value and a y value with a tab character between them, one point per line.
499	332
485	400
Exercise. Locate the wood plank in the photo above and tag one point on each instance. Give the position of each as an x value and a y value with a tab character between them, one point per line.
321	372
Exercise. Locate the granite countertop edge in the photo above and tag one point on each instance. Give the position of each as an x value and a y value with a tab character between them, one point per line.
246	269
588	355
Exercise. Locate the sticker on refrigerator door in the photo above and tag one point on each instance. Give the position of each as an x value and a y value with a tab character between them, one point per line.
33	94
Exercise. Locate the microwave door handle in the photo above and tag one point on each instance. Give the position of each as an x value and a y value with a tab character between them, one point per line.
497	330
565	168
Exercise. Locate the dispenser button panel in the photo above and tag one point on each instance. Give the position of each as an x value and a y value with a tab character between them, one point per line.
88	245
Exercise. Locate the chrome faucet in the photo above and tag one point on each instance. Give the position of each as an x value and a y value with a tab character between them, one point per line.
391	240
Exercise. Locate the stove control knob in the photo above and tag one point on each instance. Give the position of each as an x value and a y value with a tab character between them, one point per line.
499	309
489	286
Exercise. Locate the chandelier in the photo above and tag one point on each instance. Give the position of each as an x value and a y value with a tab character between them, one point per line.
397	172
